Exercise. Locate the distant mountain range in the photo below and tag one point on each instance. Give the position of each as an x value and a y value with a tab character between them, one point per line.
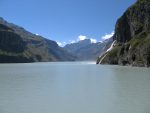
86	50
18	45
132	37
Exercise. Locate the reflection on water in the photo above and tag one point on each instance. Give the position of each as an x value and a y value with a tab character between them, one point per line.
73	87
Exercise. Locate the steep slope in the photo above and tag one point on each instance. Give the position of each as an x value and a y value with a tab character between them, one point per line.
85	50
19	45
132	36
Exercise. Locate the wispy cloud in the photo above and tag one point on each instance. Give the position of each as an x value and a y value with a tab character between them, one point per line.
72	41
93	40
61	44
82	37
107	36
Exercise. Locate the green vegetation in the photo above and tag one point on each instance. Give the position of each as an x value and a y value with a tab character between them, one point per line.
134	42
139	40
142	1
114	51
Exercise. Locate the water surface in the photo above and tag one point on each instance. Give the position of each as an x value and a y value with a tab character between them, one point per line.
79	87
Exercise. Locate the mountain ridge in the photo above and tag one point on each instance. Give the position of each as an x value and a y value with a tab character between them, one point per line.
85	50
18	45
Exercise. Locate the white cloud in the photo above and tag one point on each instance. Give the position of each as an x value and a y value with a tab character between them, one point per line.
81	37
64	43
72	41
93	40
100	41
107	36
61	44
37	34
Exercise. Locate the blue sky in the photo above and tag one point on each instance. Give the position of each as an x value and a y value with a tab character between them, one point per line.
65	20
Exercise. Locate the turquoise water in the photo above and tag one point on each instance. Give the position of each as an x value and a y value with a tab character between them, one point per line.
73	87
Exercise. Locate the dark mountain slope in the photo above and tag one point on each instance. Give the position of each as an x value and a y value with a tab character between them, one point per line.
19	45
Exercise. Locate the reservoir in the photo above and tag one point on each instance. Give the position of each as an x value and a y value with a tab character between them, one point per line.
73	87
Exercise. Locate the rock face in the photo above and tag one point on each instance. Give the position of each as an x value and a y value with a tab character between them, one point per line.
132	33
20	46
87	51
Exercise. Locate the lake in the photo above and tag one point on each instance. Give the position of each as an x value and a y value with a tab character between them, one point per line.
73	87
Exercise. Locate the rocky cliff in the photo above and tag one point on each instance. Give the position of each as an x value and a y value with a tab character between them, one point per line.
132	36
18	45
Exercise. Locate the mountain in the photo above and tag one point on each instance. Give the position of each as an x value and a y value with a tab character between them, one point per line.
132	37
86	50
19	46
